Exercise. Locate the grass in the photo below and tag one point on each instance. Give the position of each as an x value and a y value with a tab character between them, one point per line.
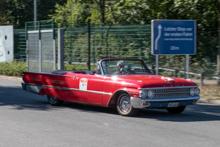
209	91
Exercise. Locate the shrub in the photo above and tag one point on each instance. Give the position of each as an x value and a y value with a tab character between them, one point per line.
13	68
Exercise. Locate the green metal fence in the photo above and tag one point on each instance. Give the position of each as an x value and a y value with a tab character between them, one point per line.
132	41
203	62
19	44
122	41
105	41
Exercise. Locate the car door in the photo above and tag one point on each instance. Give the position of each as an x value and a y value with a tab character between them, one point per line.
91	89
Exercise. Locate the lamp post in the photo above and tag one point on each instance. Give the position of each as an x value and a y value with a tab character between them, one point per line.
35	13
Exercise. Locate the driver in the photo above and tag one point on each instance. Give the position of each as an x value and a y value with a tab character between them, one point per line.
121	67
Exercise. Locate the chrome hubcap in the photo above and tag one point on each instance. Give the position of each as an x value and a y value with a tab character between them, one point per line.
124	104
53	99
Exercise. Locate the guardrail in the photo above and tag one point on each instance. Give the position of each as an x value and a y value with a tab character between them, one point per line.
202	75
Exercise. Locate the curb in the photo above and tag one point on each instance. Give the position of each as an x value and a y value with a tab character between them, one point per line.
209	101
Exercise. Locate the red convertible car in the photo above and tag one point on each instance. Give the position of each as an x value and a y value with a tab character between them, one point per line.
124	83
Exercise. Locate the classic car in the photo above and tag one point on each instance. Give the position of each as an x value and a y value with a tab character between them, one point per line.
126	84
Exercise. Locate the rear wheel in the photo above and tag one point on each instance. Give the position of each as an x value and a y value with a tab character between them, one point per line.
176	110
54	101
124	106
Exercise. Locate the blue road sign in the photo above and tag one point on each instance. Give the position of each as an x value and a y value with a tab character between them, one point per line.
173	37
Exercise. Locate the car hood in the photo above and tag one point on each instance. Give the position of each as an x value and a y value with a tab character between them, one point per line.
156	81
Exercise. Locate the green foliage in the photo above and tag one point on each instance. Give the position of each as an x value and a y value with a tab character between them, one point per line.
2	12
139	12
71	67
116	12
18	12
74	11
204	66
12	69
105	42
205	12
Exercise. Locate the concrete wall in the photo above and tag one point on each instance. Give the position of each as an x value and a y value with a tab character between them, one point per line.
6	43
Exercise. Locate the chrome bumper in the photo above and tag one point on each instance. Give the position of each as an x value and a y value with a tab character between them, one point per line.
23	86
162	103
32	88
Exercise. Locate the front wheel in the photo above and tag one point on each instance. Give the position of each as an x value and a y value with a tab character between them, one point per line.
124	106
54	101
176	110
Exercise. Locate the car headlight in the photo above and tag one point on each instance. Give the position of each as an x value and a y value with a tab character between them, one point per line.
150	94
143	94
197	91
192	91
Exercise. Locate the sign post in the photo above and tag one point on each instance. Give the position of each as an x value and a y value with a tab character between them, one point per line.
157	64
173	37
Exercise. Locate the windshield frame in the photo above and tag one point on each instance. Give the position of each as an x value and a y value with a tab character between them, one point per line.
130	59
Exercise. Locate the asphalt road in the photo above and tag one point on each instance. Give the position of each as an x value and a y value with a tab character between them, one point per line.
27	120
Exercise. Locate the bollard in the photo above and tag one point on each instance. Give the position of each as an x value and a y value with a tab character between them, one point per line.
218	81
201	79
175	73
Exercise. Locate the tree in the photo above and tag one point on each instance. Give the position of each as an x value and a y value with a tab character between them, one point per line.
75	11
116	11
2	13
207	15
18	12
205	12
217	10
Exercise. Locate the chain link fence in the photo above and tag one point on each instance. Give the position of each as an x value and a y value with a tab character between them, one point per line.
41	55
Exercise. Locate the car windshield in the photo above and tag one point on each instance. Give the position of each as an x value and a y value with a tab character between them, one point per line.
124	67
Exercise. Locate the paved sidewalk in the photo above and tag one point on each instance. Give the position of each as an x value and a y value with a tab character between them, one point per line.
198	81
209	101
11	78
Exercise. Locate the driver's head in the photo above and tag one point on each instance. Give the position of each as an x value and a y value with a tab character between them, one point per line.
120	64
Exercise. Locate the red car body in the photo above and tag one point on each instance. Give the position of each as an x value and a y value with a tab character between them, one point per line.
126	92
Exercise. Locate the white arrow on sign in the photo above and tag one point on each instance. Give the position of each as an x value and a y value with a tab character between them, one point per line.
158	37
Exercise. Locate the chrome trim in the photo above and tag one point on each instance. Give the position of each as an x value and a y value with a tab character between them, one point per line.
73	89
108	59
57	74
168	87
33	88
23	86
100	66
124	104
139	103
124	90
51	74
89	91
173	99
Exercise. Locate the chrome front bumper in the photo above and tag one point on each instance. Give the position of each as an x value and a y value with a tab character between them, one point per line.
162	103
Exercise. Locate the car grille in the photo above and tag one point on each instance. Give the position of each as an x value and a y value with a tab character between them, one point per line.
172	93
